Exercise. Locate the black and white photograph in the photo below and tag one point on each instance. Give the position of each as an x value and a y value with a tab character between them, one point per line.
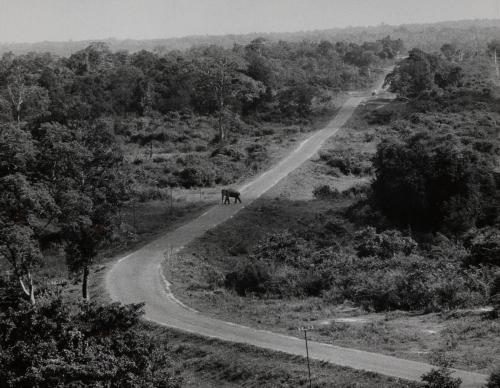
250	193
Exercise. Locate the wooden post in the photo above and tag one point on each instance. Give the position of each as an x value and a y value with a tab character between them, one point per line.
307	353
304	329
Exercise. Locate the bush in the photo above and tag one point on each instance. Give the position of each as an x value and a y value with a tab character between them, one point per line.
401	282
434	183
250	277
325	192
88	345
196	177
347	161
440	378
383	245
484	245
495	294
494	379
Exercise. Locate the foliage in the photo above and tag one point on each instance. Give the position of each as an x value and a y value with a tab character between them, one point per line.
433	182
325	192
494	379
495	293
249	278
441	378
387	274
54	344
422	73
484	246
383	245
347	161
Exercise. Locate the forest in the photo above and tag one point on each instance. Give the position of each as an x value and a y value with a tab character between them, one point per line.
73	135
83	135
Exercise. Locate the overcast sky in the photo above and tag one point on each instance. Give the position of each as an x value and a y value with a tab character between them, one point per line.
37	20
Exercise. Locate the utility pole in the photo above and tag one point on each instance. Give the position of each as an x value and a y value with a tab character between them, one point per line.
304	329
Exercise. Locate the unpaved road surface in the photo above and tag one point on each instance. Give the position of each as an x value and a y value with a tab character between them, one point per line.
137	277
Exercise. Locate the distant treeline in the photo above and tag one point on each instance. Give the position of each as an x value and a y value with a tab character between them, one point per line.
429	37
260	77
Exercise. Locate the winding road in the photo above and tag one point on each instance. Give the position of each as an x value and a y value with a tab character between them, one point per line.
138	277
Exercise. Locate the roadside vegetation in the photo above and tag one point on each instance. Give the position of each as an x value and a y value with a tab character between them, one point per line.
101	151
94	145
392	246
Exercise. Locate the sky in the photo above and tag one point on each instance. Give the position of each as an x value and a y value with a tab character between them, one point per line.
60	20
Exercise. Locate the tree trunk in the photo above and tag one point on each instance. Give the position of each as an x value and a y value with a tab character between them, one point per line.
222	135
30	289
85	279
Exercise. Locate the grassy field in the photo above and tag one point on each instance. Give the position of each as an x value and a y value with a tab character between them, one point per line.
468	337
212	363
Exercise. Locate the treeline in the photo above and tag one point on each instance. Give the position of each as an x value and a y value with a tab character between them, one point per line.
63	172
468	34
428	225
95	82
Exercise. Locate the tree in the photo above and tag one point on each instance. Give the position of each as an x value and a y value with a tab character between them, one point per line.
25	98
92	197
494	50
26	206
223	83
449	50
58	344
422	73
433	183
18	246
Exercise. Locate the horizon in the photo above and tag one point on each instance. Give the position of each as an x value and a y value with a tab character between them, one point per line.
113	38
70	20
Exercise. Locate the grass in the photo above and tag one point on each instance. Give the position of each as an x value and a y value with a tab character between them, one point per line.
180	144
212	363
468	337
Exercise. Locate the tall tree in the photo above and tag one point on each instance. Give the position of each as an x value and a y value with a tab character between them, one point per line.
223	83
91	198
26	206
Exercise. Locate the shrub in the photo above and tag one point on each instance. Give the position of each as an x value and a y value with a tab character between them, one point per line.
495	294
250	277
89	345
432	182
325	192
440	378
494	379
347	161
228	151
196	177
484	245
383	245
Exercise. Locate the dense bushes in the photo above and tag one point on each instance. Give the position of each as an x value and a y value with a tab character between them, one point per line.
441	378
387	274
434	183
494	379
56	344
495	294
484	246
384	245
251	277
325	192
347	161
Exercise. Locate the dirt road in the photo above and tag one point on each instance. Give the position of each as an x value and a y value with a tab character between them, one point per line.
137	277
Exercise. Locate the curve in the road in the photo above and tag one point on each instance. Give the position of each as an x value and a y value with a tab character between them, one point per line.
137	277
